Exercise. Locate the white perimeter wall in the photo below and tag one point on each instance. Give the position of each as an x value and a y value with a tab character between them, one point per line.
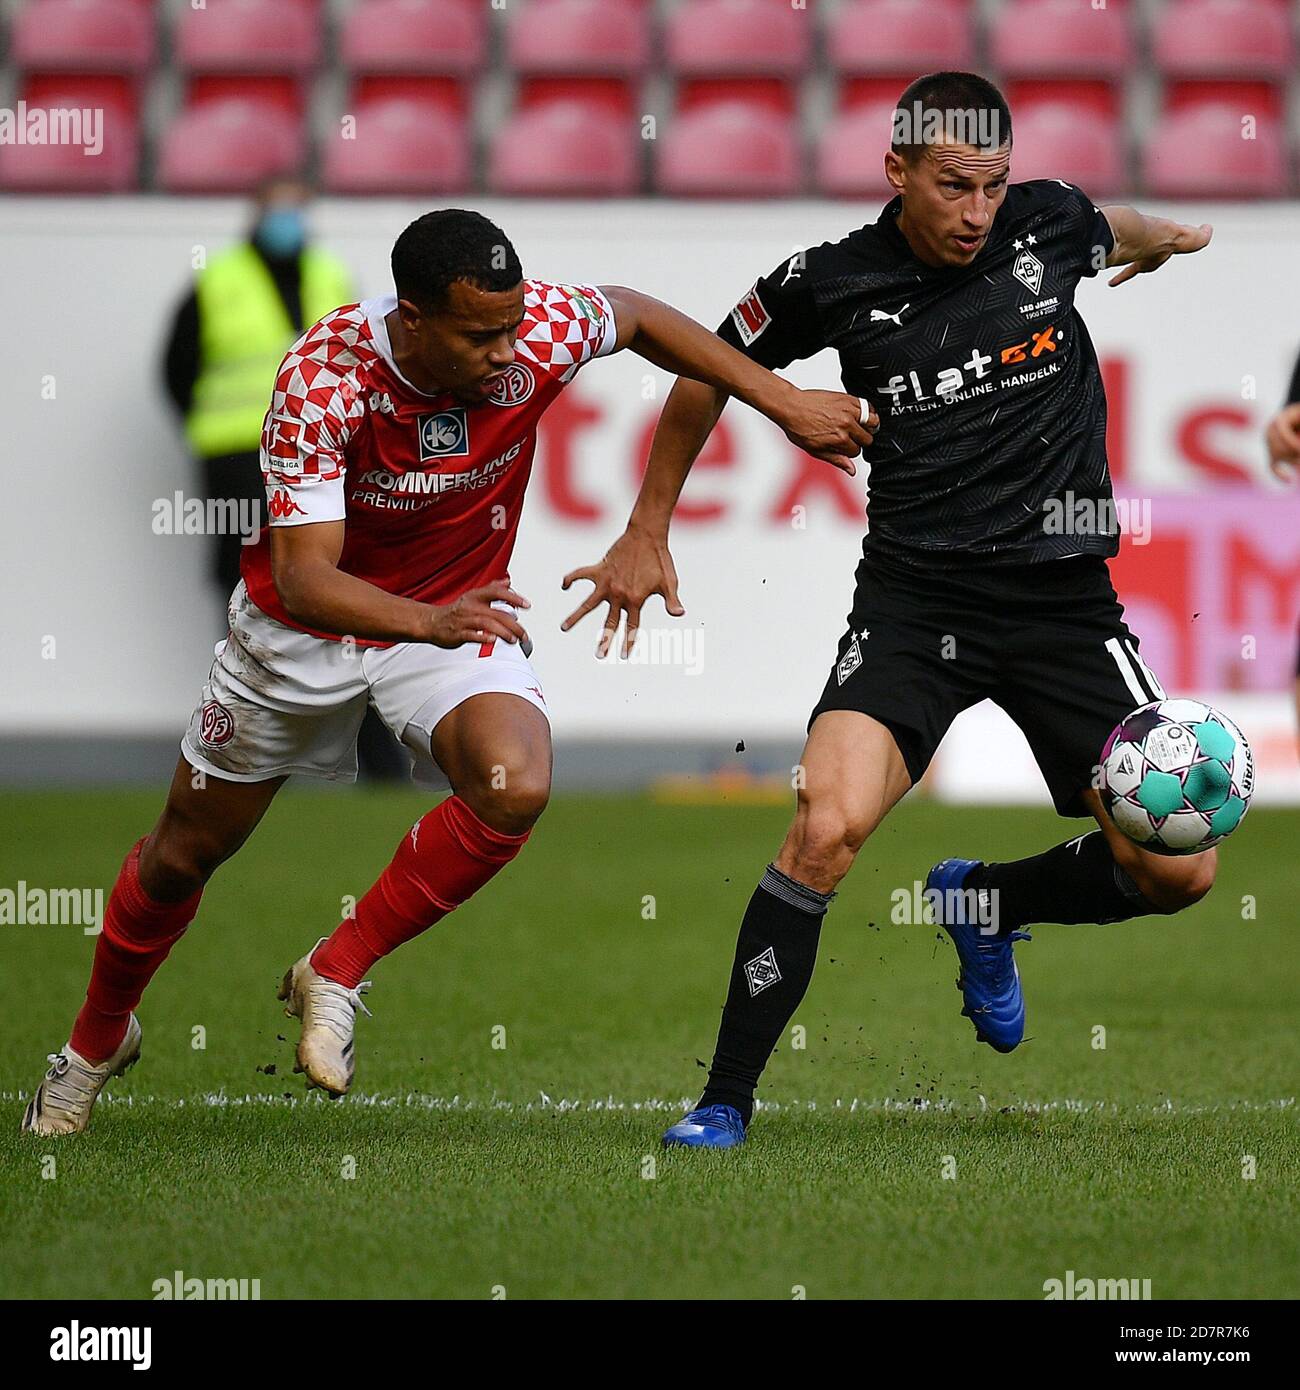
89	288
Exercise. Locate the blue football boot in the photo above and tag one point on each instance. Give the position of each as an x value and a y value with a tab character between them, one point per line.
989	981
710	1127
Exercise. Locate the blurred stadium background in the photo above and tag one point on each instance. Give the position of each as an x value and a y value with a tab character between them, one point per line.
684	147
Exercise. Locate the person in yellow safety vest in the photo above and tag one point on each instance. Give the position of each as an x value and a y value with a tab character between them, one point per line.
246	307
228	336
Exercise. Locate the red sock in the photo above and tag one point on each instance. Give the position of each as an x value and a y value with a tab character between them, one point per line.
138	933
447	857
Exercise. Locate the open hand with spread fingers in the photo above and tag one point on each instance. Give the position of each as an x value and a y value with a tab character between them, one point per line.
634	567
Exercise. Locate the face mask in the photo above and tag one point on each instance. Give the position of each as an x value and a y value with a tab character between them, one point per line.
281	231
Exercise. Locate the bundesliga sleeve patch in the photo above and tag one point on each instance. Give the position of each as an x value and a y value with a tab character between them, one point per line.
750	317
283	440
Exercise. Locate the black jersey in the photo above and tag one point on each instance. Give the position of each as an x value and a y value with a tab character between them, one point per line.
992	412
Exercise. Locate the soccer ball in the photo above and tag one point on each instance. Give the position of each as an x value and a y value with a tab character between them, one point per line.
1177	776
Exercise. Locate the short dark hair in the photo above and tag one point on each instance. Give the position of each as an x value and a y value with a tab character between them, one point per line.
955	107
452	244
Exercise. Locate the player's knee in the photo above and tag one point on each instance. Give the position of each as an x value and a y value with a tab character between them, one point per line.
510	796
824	843
175	863
1178	883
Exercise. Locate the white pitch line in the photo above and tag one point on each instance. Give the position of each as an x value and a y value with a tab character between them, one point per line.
219	1100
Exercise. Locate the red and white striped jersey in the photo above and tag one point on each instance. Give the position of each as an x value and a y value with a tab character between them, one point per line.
430	489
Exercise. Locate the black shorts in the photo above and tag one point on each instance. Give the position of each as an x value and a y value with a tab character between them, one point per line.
1047	642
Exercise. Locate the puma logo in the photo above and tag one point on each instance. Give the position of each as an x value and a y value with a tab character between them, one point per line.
879	315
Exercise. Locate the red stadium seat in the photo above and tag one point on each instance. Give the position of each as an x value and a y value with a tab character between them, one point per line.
84	36
870	91
119	90
414	36
68	168
729	149
1064	142
775	93
1262	98
284	90
1224	38
1086	94
851	152
714	38
229	146
579	37
401	147
1061	38
1200	152
566	149
248	36
451	93
616	94
903	37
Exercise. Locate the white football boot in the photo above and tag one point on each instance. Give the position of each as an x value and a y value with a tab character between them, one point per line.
65	1098
328	1011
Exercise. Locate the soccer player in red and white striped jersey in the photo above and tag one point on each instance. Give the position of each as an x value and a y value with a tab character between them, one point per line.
396	451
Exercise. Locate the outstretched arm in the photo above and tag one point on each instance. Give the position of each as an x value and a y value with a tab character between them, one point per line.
639	563
828	424
1143	243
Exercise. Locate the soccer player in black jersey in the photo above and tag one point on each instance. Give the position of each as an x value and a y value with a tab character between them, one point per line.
984	568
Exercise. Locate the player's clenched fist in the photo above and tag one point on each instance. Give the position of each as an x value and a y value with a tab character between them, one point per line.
830	425
471	617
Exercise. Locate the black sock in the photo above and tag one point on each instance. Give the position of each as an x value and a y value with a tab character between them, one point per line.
775	955
1078	881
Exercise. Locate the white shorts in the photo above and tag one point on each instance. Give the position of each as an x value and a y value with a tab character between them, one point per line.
280	701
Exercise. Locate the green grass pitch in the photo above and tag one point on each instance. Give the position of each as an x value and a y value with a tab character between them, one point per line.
534	1170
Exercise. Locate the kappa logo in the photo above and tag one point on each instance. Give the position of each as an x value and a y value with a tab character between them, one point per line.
282	505
1028	269
444	435
849	662
761	972
515	386
750	317
879	315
